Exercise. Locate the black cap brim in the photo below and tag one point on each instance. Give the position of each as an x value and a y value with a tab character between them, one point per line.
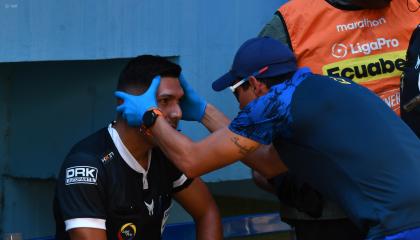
223	82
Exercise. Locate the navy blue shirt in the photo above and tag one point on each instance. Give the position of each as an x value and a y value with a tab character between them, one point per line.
347	143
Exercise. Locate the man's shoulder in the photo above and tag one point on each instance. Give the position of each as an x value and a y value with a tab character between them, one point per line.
314	79
90	149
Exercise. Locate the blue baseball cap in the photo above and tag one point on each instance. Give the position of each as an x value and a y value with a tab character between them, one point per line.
259	57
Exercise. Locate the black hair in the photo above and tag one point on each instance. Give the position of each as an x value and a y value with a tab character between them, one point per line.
271	81
140	71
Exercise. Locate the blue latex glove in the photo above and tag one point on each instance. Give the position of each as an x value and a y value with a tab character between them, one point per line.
193	106
134	106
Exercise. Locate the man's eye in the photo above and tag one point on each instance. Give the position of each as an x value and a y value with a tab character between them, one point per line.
163	101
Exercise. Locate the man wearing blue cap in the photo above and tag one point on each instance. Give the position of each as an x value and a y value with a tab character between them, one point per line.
330	131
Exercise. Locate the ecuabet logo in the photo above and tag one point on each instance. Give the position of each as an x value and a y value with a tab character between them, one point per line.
81	175
339	50
368	68
127	232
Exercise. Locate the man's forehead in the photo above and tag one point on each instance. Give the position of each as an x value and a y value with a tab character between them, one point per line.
170	86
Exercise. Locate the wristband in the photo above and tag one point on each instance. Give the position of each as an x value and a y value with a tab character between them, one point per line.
150	116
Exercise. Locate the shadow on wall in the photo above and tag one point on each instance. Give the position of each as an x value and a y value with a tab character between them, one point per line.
50	106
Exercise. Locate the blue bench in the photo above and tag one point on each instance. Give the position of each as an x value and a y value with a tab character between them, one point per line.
238	226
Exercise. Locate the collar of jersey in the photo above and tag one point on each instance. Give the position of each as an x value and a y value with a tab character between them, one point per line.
125	154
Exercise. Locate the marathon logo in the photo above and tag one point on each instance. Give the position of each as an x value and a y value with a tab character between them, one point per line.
81	175
364	23
368	68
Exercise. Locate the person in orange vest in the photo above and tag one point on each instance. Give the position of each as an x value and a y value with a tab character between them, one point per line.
362	40
365	41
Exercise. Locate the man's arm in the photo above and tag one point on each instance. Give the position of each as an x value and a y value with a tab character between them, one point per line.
219	149
87	234
79	207
198	202
262	182
213	119
265	159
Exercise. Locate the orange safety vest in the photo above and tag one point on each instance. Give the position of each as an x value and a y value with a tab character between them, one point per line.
366	45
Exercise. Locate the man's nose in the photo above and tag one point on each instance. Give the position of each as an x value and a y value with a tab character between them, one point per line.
175	112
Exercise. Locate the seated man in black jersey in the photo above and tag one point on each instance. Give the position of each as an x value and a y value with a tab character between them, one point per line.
116	184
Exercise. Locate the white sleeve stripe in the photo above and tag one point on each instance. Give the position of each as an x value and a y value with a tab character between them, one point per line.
181	180
85	223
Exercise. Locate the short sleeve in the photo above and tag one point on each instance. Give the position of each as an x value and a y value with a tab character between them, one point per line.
266	117
178	179
80	192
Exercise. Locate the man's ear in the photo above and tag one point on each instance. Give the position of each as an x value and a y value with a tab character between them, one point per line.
258	87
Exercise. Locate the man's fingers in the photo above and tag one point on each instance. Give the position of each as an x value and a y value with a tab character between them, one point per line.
121	95
121	108
182	81
154	86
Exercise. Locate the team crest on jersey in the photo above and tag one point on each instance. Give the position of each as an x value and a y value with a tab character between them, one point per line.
150	206
81	175
127	232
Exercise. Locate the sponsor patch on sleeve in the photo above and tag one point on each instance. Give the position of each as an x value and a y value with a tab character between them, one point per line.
81	175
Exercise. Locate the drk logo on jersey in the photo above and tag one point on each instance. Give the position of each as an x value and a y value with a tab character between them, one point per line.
81	175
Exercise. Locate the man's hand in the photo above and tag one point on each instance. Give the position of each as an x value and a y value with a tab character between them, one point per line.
193	106
134	107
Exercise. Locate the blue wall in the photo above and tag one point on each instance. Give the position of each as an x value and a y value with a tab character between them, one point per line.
47	102
34	30
203	34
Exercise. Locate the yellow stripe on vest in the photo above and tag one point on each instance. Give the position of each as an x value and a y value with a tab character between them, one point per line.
368	68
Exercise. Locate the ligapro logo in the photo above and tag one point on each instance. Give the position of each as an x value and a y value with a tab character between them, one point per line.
364	23
340	50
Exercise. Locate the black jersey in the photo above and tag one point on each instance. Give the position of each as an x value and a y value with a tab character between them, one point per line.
101	185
